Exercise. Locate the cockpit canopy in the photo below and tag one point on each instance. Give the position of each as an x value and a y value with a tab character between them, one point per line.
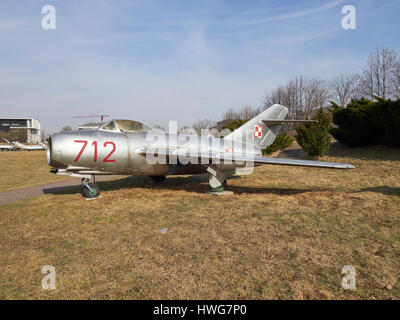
125	126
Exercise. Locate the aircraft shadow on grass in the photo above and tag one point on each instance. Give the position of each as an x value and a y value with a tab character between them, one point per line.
195	184
389	191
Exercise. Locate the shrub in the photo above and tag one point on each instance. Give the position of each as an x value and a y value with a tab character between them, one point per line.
281	141
388	119
364	122
354	123
314	137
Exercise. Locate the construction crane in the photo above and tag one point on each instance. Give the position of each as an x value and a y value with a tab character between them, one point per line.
101	116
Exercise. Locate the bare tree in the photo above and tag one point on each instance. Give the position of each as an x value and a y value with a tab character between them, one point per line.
316	95
187	130
376	76
291	95
295	94
380	77
203	124
245	113
229	114
302	97
158	127
344	87
277	95
395	81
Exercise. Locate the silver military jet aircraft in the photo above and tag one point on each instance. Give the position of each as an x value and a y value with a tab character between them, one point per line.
7	147
126	147
29	147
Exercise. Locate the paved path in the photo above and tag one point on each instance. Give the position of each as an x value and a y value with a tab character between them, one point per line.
35	191
293	151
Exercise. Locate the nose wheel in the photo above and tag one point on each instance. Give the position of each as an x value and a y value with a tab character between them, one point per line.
90	190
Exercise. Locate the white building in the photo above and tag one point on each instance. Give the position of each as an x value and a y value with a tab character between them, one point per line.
20	129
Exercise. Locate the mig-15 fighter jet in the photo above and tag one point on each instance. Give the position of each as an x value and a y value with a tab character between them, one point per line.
8	147
126	147
29	147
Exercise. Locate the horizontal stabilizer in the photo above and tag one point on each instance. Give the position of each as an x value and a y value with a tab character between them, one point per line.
281	121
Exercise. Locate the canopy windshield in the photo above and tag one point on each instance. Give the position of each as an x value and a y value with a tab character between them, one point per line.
125	126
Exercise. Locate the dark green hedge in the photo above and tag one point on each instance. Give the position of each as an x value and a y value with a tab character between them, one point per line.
364	122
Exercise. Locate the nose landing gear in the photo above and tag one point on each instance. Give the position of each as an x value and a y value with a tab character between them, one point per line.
90	190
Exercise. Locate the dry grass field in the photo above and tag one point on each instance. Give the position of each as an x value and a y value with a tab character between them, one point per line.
285	233
20	169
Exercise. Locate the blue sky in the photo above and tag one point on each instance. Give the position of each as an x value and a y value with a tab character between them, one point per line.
161	60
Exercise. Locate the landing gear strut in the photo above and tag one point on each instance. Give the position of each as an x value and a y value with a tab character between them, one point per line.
217	179
220	188
91	190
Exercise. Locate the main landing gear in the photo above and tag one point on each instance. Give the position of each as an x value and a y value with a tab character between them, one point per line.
217	179
90	190
220	188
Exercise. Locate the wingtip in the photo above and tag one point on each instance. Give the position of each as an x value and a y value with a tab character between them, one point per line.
345	166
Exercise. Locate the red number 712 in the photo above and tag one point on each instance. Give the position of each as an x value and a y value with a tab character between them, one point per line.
94	144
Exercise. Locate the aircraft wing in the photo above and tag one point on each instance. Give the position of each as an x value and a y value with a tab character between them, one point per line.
6	147
232	157
296	162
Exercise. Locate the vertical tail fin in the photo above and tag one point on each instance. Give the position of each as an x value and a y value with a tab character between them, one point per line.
258	132
7	141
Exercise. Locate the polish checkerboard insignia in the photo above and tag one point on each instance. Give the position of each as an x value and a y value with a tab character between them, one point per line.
258	132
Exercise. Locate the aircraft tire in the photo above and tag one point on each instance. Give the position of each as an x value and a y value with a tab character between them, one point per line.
158	179
91	194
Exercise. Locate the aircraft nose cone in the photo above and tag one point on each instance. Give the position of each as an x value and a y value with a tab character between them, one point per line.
54	149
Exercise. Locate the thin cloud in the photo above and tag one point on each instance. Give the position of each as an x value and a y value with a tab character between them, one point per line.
295	14
304	38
